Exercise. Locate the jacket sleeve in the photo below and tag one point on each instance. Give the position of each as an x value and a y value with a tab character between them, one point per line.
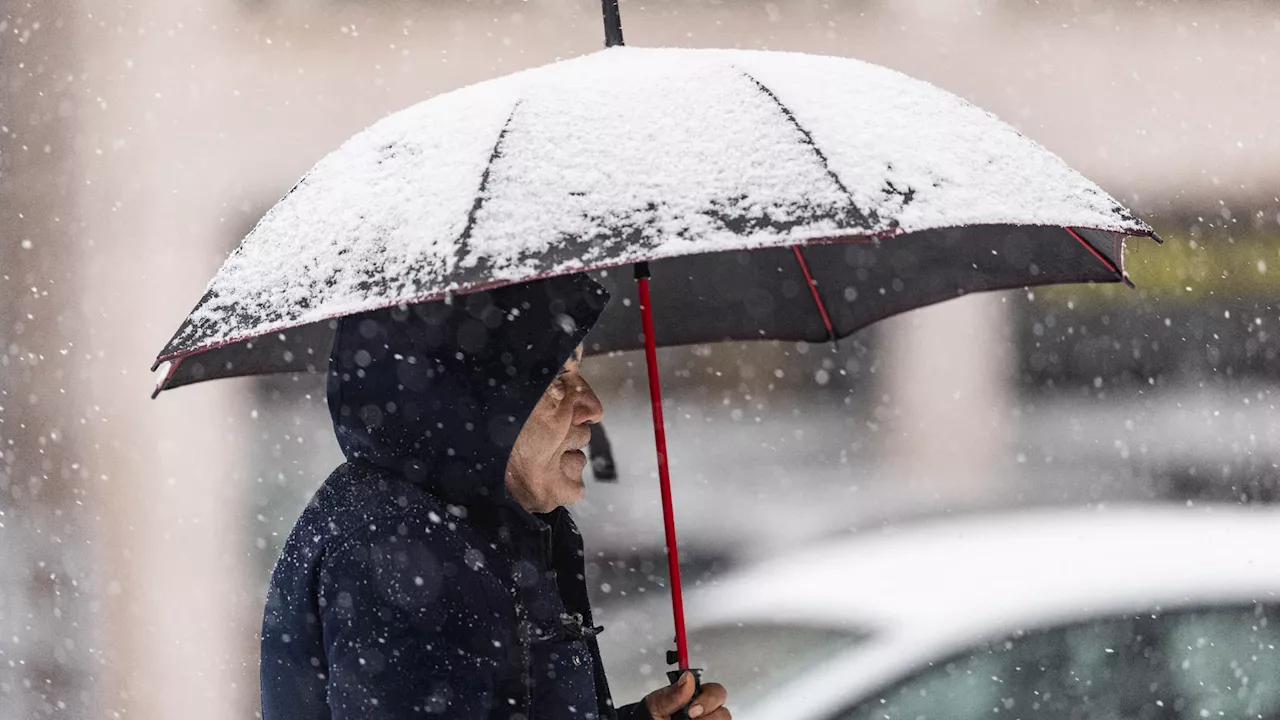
407	630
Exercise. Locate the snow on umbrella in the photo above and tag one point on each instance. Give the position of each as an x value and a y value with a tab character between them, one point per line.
773	195
896	194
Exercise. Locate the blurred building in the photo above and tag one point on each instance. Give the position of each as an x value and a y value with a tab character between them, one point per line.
141	139
46	647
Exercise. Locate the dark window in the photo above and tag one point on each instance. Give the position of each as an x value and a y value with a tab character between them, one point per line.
1218	663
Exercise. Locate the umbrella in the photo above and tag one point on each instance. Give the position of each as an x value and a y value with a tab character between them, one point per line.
769	195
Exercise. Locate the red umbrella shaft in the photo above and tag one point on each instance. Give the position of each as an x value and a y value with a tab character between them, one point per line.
664	477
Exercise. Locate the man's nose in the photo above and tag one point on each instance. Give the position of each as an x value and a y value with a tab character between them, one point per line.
587	407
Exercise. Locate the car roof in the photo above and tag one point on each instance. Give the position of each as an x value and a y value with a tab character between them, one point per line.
966	575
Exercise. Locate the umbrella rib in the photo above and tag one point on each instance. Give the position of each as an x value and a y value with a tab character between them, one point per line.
813	288
808	139
481	192
1102	258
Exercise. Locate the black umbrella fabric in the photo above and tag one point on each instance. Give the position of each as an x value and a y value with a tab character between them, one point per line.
825	291
816	292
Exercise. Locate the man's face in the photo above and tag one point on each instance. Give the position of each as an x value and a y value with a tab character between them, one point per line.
546	464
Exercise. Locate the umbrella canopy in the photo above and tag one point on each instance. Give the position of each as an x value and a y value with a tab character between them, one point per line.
778	195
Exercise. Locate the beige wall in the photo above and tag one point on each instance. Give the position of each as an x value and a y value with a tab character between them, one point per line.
45	605
193	116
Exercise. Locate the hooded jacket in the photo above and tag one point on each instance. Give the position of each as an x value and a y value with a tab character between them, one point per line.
413	585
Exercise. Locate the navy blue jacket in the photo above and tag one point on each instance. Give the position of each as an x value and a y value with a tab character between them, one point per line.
413	585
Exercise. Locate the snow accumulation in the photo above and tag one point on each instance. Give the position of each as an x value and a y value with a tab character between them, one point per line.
626	154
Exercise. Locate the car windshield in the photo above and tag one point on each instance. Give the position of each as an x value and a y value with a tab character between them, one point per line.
1221	663
753	659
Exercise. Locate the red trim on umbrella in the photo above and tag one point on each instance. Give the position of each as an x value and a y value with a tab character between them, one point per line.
1110	265
813	288
664	476
1124	277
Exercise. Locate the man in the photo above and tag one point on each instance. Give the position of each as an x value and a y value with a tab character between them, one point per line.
436	573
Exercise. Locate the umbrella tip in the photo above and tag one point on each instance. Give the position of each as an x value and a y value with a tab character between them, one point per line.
1159	240
612	23
156	364
167	368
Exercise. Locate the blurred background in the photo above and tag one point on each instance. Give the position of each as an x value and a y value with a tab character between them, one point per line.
139	141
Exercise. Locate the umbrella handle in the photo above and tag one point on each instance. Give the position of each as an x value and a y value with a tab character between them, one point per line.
664	477
674	676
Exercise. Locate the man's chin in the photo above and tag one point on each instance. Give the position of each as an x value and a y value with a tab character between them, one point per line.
575	494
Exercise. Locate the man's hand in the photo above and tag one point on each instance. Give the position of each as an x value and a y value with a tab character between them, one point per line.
709	705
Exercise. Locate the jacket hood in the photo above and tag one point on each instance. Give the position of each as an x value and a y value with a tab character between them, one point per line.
439	391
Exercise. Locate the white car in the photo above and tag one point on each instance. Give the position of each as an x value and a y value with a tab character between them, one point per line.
1140	613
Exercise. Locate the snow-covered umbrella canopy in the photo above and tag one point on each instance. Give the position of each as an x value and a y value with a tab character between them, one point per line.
878	192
